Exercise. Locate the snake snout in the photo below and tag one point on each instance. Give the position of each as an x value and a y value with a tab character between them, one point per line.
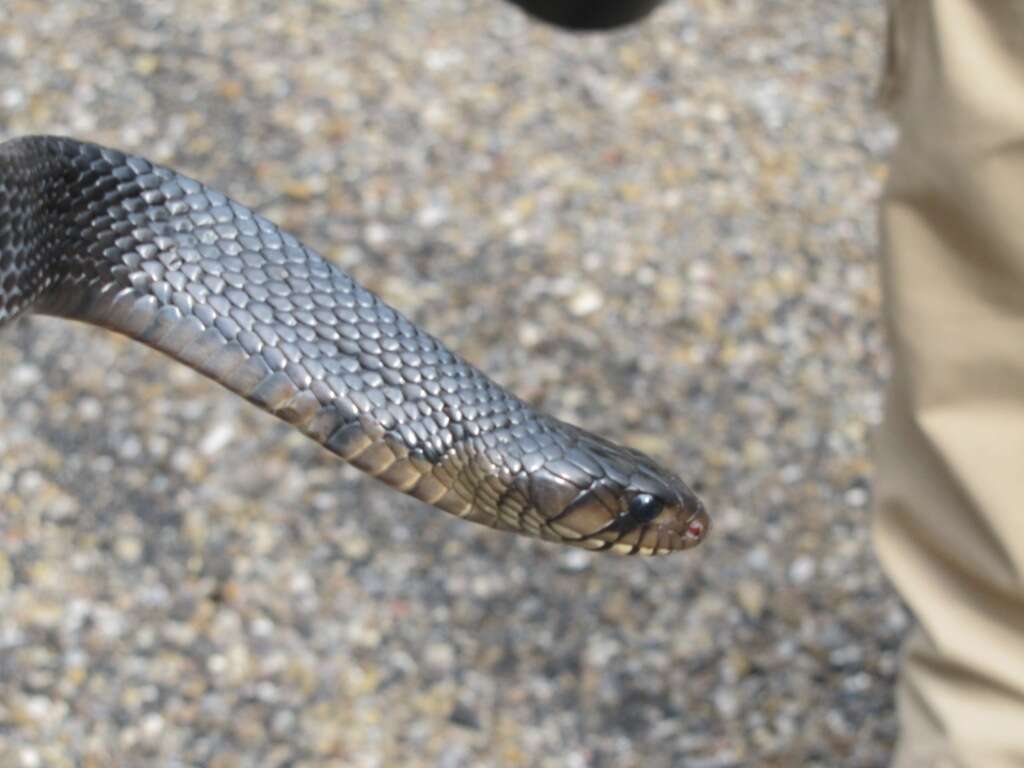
697	527
697	520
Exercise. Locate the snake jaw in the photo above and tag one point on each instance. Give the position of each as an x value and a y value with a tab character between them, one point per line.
587	516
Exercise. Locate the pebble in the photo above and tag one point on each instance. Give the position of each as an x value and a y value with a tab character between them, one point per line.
802	570
751	596
586	301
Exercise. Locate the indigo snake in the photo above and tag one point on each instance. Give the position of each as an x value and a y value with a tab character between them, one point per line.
95	235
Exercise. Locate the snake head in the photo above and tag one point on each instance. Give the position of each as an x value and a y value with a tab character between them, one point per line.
603	496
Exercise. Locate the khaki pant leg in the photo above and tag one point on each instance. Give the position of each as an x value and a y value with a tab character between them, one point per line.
949	527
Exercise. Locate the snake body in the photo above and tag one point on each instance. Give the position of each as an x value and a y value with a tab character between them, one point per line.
95	235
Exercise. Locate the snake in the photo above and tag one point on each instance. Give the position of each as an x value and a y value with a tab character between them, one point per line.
98	236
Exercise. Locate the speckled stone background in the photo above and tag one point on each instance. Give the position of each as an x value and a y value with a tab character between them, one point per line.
666	234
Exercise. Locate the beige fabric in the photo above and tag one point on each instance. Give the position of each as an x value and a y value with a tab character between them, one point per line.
949	527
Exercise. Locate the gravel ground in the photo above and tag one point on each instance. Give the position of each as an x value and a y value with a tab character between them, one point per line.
666	235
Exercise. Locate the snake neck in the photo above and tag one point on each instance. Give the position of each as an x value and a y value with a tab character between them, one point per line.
32	227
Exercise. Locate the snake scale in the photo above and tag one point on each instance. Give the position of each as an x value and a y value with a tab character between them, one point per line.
95	235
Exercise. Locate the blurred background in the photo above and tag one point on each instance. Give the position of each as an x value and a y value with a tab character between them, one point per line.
665	234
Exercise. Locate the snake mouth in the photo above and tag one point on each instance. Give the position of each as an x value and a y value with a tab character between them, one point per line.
649	540
663	539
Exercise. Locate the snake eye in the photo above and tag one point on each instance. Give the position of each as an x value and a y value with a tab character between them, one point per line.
643	507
